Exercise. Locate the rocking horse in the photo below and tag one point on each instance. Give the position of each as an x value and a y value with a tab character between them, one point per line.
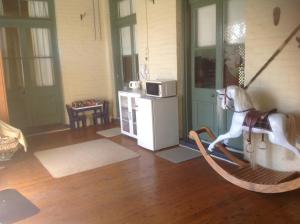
247	118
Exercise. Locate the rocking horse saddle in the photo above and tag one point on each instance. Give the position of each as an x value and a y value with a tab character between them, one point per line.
258	119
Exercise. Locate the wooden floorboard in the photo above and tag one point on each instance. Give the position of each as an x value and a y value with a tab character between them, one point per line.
143	190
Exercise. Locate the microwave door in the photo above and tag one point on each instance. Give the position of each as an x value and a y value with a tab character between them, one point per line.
153	89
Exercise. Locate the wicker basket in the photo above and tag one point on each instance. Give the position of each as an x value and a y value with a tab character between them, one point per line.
8	146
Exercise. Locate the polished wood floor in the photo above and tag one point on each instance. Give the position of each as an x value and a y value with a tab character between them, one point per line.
144	190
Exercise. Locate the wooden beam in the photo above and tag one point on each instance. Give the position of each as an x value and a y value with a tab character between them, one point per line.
4	116
277	52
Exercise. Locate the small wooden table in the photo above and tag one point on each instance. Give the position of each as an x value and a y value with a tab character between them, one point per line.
94	108
76	117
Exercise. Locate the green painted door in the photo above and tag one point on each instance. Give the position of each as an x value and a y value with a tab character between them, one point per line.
217	59
29	54
43	82
205	51
16	82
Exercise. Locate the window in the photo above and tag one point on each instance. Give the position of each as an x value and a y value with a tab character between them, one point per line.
207	26
126	8
234	42
12	58
124	38
41	57
126	53
24	8
26	47
205	58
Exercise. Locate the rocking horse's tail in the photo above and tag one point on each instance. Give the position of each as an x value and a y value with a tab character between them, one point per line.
291	129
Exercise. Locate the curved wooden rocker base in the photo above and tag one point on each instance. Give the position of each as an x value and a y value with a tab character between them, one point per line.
259	180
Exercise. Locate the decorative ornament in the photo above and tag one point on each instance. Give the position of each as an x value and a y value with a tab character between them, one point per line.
298	39
276	15
82	15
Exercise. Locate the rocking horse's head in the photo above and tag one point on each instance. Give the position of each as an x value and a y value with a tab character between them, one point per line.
234	97
225	98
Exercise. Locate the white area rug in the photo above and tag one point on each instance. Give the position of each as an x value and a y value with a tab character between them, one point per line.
178	154
71	159
110	132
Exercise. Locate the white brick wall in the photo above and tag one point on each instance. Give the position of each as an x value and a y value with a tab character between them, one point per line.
278	86
162	36
86	62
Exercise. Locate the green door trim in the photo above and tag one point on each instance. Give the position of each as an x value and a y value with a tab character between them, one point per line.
187	122
57	62
50	23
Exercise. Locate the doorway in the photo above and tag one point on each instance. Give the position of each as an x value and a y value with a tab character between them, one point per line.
124	33
217	48
30	61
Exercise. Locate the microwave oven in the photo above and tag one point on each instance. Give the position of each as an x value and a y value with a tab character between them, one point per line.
161	88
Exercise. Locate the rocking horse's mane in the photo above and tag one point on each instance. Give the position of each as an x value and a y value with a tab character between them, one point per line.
242	100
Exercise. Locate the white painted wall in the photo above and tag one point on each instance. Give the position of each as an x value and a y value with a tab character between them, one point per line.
159	39
86	61
278	86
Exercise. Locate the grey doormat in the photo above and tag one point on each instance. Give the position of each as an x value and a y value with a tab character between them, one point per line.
15	207
178	154
71	159
110	132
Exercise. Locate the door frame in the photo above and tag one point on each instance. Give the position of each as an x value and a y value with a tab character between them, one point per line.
51	24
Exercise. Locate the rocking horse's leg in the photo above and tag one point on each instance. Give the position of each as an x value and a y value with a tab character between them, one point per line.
225	136
218	139
226	141
281	140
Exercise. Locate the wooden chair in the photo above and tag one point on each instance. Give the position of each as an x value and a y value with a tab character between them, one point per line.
75	118
103	114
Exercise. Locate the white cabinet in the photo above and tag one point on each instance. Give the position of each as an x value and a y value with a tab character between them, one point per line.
157	120
127	107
